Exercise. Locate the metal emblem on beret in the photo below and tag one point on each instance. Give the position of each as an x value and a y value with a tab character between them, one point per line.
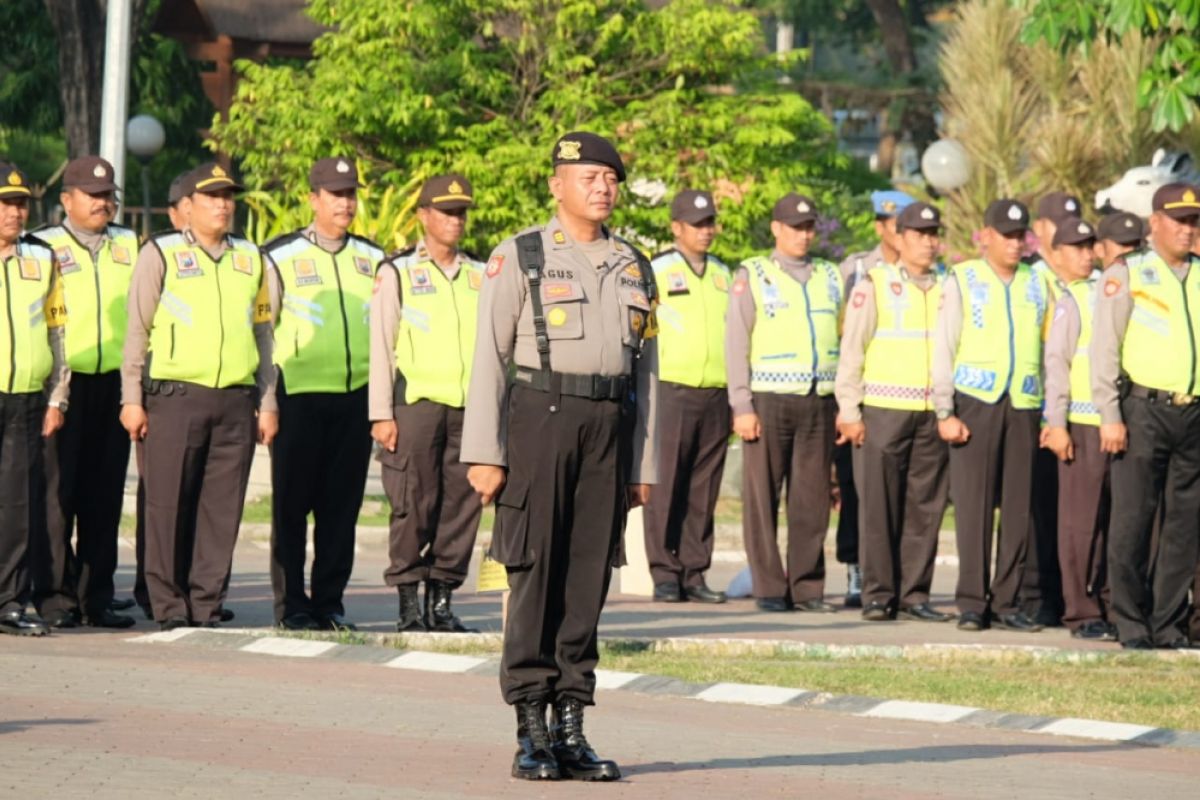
701	201
889	206
14	178
454	188
568	150
1189	196
217	172
1014	213
802	207
342	166
1070	205
927	213
99	171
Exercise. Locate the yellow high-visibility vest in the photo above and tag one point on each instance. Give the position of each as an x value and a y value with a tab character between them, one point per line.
691	320
897	370
1163	337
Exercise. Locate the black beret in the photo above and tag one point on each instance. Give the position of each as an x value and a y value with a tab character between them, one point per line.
581	147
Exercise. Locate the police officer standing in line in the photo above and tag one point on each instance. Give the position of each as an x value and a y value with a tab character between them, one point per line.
1117	234
885	401
87	459
35	369
566	447
781	354
319	280
987	384
1072	434
198	342
693	291
855	267
423	319
1146	386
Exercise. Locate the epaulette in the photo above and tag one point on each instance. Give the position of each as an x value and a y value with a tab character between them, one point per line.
33	241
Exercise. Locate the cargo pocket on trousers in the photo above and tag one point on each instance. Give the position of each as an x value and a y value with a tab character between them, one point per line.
510	534
395	480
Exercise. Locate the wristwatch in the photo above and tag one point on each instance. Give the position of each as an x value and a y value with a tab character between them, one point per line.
944	414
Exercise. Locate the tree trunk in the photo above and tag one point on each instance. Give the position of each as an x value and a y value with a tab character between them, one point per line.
893	27
80	28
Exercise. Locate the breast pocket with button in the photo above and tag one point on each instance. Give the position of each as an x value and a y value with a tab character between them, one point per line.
562	305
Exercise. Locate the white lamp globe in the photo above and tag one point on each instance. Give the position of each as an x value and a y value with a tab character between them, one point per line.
946	165
144	136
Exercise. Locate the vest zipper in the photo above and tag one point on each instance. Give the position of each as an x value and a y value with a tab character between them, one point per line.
220	315
171	354
812	329
337	276
99	312
1191	336
12	331
457	323
1012	343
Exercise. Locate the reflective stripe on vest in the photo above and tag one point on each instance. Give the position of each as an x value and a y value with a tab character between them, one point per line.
1081	410
897	370
1000	350
96	295
691	318
1163	338
795	342
436	341
322	333
203	329
25	355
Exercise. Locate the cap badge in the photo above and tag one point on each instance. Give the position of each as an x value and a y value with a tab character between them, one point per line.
802	207
1014	213
1189	196
217	172
1083	228
454	188
343	167
99	171
1070	205
889	206
701	201
927	213
14	178
1128	223
568	150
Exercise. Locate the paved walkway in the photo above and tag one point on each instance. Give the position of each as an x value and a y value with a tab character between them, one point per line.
99	716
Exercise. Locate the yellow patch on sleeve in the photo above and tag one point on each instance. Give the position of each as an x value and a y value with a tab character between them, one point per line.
262	304
56	306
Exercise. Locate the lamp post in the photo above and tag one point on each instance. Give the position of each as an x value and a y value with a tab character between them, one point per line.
946	165
144	136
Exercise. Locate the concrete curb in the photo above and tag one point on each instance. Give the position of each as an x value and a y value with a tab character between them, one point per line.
258	642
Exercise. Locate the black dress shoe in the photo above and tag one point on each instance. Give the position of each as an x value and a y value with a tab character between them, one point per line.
226	615
300	621
1048	617
18	623
971	621
438	616
772	604
411	618
923	612
1138	643
171	623
877	612
576	758
667	593
336	622
700	593
816	607
534	760
124	604
63	619
1179	644
1095	631
108	619
1018	621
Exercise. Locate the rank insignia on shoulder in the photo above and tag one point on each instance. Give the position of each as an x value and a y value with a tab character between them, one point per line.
120	254
474	279
31	270
633	271
243	263
362	265
560	237
494	265
186	265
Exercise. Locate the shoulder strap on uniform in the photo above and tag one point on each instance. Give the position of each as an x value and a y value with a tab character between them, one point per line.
532	258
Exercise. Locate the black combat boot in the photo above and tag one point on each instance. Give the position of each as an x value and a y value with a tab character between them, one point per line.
534	760
438	616
410	609
576	758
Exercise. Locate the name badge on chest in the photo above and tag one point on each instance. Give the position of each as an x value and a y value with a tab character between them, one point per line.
120	255
362	265
31	270
243	263
306	272
186	265
66	261
676	283
421	282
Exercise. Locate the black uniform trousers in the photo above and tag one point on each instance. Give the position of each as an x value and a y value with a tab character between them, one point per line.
679	519
198	449
994	468
1150	601
22	493
319	463
559	520
1041	580
1083	511
435	512
848	505
796	449
86	462
901	469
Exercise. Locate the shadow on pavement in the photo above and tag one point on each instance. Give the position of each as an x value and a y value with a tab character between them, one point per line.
22	725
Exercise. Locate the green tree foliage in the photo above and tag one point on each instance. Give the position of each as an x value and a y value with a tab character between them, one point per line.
485	87
1170	84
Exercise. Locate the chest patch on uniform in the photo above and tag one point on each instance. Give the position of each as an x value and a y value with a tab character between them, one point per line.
120	255
859	299
31	270
897	289
186	265
561	291
1150	276
421	282
66	261
474	279
1111	287
556	317
676	283
560	237
306	272
720	282
244	264
494	265
633	272
362	265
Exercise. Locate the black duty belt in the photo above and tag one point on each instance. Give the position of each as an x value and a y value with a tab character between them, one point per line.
591	387
1162	396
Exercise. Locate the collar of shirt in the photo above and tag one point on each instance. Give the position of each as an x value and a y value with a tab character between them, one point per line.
798	268
697	266
922	279
92	241
603	252
451	271
215	254
323	242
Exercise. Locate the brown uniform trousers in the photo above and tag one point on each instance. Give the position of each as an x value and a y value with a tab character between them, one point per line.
86	462
1083	507
559	520
22	493
198	450
435	513
796	449
901	472
995	467
693	437
1041	579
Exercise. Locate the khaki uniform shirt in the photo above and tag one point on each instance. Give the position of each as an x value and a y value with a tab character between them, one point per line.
605	272
1057	357
857	265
